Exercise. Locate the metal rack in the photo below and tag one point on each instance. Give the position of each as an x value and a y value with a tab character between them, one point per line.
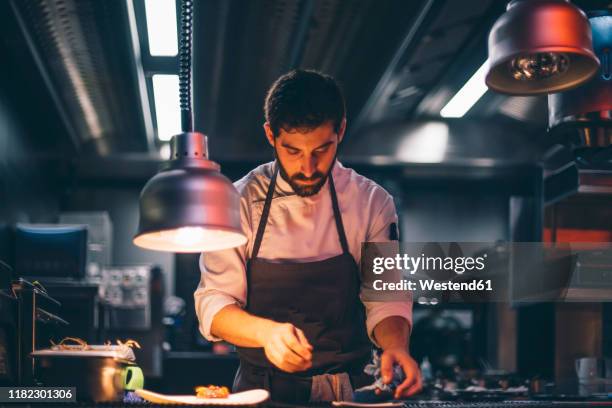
32	304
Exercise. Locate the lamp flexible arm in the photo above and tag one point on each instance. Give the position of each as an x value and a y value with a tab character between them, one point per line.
186	36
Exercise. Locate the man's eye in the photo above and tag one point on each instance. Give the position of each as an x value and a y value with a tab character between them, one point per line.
322	150
293	151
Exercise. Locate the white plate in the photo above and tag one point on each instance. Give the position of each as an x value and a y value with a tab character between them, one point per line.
250	397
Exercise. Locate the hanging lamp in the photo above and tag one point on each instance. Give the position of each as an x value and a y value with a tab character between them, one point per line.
540	46
583	116
189	206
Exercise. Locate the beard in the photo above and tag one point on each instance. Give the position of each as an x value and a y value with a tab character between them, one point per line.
315	182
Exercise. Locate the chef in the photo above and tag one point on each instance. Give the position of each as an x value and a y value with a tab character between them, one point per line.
289	299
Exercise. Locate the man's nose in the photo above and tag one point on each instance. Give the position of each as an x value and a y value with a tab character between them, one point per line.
309	166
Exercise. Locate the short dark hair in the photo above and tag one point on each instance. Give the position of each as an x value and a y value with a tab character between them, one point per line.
304	99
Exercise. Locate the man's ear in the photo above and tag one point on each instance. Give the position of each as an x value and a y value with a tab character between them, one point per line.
269	133
341	130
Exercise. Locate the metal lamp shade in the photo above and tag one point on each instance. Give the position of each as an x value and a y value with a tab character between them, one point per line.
540	46
189	206
585	113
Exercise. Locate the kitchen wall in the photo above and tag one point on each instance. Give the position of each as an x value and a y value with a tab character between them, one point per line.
28	183
32	137
26	191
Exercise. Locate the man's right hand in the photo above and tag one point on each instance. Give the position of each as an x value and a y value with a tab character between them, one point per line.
287	348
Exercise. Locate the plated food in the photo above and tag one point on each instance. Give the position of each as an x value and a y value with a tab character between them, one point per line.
212	391
244	398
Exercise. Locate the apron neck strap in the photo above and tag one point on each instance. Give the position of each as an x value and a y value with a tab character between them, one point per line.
264	215
337	214
268	203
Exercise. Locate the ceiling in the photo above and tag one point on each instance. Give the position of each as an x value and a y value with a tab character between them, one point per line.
397	61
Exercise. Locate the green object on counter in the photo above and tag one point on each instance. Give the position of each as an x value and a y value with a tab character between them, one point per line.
133	378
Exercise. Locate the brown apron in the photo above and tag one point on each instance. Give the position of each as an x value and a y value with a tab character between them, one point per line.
321	298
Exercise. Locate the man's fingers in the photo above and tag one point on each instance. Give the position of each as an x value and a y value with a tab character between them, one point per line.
412	383
386	367
293	343
302	338
401	389
289	355
408	366
412	389
415	388
278	356
286	352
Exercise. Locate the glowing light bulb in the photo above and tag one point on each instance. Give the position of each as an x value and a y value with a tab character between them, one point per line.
532	67
189	236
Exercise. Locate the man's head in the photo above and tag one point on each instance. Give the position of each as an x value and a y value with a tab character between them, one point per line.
305	121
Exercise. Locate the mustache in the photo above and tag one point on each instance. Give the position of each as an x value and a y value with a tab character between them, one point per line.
301	176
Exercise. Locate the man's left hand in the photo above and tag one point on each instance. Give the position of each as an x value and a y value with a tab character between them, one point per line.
413	382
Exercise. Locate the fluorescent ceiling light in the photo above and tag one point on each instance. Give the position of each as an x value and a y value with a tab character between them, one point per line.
161	27
425	144
164	151
167	107
468	95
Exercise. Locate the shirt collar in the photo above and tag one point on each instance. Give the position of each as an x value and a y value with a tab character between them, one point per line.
284	187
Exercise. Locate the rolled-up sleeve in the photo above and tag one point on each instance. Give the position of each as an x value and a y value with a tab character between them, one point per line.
222	281
383	222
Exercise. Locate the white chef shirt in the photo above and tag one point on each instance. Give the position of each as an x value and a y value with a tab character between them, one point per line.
299	229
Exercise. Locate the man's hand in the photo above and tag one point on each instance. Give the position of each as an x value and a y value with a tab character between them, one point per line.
413	382
392	334
284	344
287	348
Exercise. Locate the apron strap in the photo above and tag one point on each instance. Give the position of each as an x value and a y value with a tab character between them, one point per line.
268	203
338	215
264	215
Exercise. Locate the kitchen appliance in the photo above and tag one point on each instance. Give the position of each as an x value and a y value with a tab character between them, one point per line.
99	238
125	291
582	118
100	374
594	375
132	307
47	251
34	306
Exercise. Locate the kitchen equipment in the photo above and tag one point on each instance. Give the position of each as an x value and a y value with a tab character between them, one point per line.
594	375
125	291
99	238
250	397
540	46
589	369
189	206
33	310
45	251
79	306
132	298
582	117
100	374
